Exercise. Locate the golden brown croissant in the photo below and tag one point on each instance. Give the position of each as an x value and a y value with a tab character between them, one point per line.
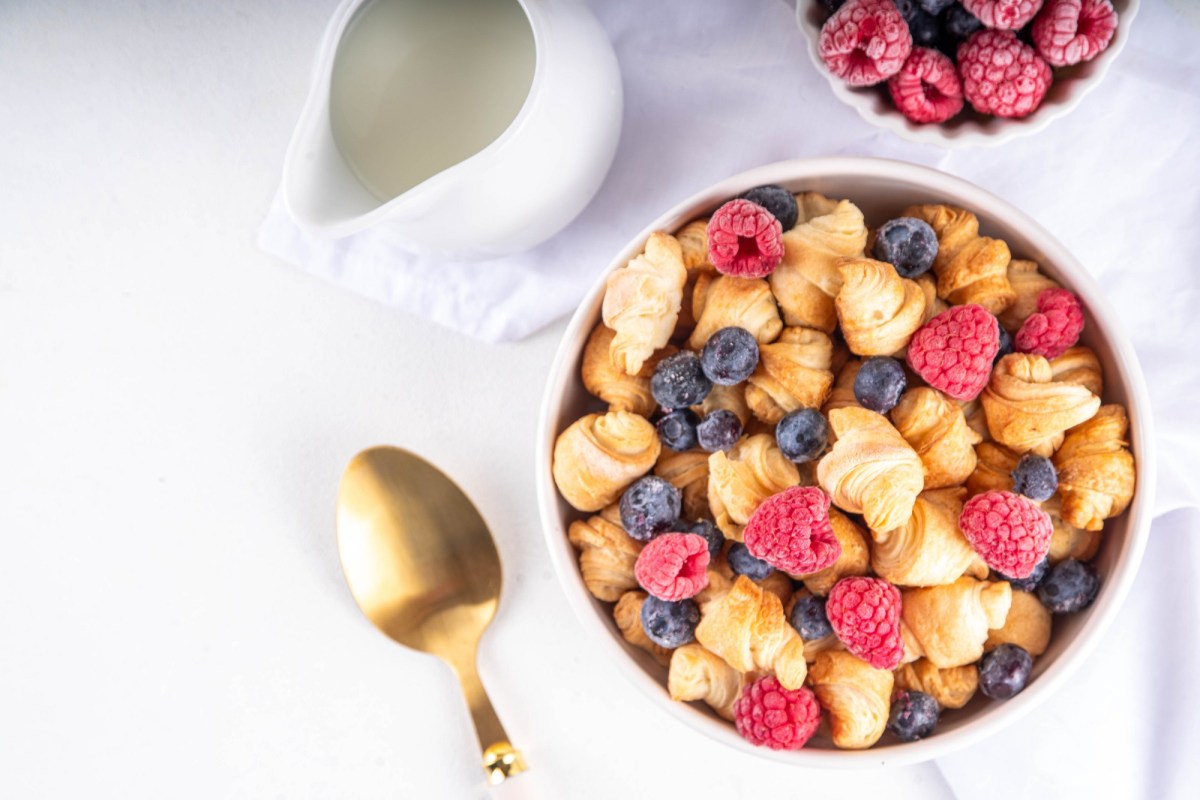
842	393
729	398
740	478
993	469
697	674
719	301
693	241
642	301
1027	410
853	560
601	377
856	695
792	373
878	310
600	454
747	628
950	623
721	577
606	554
976	421
1027	283
1067	541
970	268
951	688
687	472
929	549
934	305
871	470
628	615
807	279
1079	365
1027	625
937	430
1095	469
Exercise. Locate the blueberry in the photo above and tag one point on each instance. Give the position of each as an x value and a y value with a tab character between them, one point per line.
809	619
677	430
777	200
833	5
1004	671
1035	477
720	430
1071	586
649	507
1033	581
935	7
742	563
925	30
729	356
802	435
914	716
679	381
908	244
670	624
905	7
958	23
711	533
879	383
1006	343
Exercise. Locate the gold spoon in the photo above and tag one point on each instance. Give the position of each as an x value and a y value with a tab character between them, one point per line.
422	566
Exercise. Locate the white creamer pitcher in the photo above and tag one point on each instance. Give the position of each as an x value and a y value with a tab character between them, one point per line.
505	197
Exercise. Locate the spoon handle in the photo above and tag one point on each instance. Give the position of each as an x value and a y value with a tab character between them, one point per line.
500	759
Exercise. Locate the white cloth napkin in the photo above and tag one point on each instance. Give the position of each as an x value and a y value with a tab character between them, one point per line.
713	87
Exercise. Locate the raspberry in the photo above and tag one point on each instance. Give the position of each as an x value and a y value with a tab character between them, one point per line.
1001	75
865	42
927	88
1009	531
1005	15
768	715
865	615
1054	327
954	351
791	531
1071	31
673	566
744	240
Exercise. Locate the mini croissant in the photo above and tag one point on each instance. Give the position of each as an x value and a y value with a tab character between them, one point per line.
628	615
970	268
929	549
622	392
951	688
842	393
871	470
693	241
949	623
938	431
1027	625
856	695
1027	410
742	477
642	302
1095	469
1067	541
687	472
600	454
697	674
807	279
1079	365
994	464
747	628
1027	283
878	310
792	373
934	305
852	561
606	554
729	398
721	301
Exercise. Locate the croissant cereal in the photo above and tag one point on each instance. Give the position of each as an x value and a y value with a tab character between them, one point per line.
792	373
1067	541
740	479
871	470
693	242
878	311
1027	410
729	398
628	615
721	301
1027	625
1027	283
807	279
606	554
687	472
600	454
934	305
697	674
1079	365
642	301
853	560
856	695
842	393
929	549
937	430
970	268
1095	469
622	392
952	687
746	627
994	464
950	623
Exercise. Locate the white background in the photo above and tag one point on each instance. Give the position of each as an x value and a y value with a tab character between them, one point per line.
176	408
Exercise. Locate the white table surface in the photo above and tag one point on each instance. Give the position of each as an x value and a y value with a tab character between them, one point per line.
175	412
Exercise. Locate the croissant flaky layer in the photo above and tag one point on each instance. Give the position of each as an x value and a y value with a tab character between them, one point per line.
951	688
877	309
970	268
742	477
697	674
607	554
793	372
628	615
1028	625
721	301
949	624
687	472
929	549
642	301
856	695
600	454
746	627
602	378
1028	283
937	429
1095	469
1027	410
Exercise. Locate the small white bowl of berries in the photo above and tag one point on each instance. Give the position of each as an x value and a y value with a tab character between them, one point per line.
961	73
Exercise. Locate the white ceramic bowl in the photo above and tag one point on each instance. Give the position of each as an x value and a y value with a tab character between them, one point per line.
968	128
881	188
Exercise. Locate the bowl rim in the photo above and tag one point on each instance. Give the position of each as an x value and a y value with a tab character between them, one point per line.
974	136
1126	562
